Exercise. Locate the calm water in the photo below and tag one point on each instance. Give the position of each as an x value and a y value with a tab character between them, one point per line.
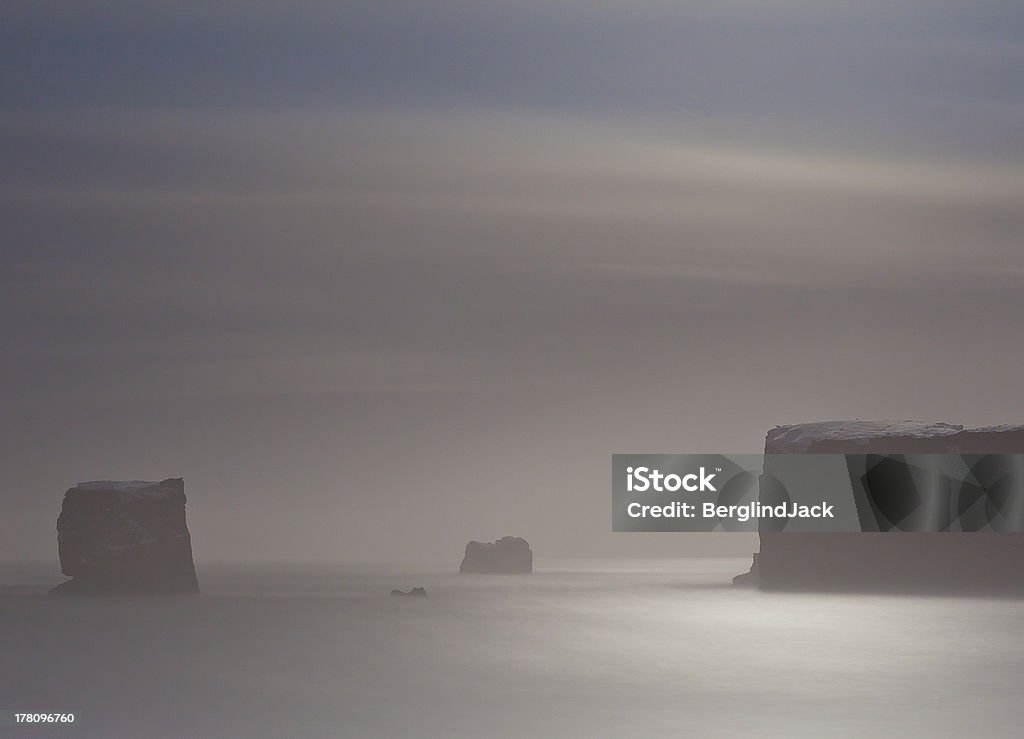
620	648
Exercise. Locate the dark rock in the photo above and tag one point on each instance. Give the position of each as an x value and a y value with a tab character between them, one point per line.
125	537
510	555
940	562
416	592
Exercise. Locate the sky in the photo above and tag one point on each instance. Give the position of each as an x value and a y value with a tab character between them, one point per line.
378	278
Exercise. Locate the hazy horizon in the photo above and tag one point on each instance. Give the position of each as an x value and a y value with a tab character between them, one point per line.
380	278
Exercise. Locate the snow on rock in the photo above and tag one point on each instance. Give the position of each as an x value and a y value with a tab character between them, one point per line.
803	436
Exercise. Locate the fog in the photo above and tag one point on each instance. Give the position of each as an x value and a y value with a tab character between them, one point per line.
603	650
376	280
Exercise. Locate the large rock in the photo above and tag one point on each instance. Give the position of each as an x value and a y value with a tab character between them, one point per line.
509	555
976	562
125	537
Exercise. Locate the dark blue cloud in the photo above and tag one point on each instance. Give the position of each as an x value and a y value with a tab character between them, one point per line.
801	59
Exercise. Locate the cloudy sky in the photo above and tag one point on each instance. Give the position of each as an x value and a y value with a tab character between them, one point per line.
380	277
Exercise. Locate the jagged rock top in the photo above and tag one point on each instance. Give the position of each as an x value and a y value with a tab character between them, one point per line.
893	437
507	555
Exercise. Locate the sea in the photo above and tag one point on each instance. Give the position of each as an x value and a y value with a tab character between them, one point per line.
580	648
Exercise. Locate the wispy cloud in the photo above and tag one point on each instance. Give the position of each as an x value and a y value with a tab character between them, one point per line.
325	236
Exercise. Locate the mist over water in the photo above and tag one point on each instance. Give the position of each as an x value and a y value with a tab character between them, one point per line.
377	279
579	648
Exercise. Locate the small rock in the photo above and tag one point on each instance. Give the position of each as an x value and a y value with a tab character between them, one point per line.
416	592
509	555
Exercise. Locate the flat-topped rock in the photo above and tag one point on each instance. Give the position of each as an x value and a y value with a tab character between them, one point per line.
125	537
415	592
510	555
982	563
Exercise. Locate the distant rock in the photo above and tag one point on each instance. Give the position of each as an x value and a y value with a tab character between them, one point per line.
416	592
125	537
509	555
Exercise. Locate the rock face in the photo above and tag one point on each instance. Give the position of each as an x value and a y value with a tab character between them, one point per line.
125	537
509	555
980	563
